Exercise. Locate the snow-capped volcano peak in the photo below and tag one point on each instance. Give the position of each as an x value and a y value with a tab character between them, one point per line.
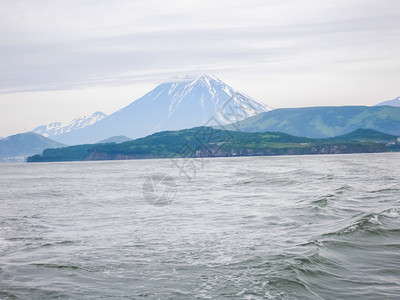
57	128
211	91
185	102
194	78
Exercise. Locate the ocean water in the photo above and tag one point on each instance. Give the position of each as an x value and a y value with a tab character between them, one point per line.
292	227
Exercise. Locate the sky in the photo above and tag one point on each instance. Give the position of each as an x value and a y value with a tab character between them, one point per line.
61	59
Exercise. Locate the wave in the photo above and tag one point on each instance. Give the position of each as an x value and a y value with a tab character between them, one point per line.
370	222
385	190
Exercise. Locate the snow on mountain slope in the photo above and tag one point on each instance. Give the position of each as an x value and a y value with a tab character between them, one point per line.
58	128
184	103
394	102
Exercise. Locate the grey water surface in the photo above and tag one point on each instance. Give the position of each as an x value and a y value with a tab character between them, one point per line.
292	227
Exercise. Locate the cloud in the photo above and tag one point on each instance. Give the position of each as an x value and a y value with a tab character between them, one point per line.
50	45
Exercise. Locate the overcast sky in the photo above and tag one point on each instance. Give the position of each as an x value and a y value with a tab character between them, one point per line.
64	59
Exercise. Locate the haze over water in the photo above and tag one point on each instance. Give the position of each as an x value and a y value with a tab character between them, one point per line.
293	227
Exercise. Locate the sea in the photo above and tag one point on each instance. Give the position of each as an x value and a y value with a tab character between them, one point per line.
283	227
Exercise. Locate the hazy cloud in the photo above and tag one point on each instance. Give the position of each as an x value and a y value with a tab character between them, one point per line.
69	44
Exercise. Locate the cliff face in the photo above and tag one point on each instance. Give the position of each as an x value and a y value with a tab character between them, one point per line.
323	149
98	155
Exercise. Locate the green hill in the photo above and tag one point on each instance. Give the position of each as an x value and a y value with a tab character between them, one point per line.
17	147
321	122
363	135
210	142
115	139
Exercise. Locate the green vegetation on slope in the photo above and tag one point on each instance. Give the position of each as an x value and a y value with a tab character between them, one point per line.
210	142
321	122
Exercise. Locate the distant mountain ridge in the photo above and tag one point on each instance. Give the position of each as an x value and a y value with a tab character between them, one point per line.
16	148
185	103
394	102
324	121
57	128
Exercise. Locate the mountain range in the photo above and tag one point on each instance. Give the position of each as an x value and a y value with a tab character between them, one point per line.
321	122
58	128
184	103
206	101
